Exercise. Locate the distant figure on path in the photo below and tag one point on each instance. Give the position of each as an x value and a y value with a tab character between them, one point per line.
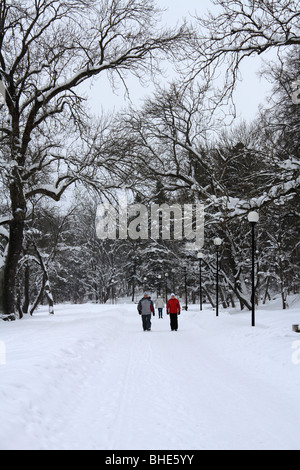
145	309
160	305
173	309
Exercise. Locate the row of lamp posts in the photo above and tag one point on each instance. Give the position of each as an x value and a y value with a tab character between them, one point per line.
166	284
253	218
218	242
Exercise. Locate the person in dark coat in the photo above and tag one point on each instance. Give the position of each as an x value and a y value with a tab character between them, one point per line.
173	309
146	309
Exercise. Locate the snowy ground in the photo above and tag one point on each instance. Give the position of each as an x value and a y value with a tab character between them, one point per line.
90	378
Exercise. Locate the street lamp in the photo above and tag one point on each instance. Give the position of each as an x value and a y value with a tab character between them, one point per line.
159	285
173	272
112	291
166	276
200	257
218	242
253	218
185	288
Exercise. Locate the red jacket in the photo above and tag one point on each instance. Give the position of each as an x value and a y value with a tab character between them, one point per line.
173	306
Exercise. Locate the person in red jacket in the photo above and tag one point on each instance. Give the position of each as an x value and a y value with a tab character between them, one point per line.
173	309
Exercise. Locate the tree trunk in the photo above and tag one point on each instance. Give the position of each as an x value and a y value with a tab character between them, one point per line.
26	301
212	303
284	297
15	246
39	297
267	295
49	295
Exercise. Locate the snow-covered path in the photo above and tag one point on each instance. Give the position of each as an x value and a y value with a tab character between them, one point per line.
90	378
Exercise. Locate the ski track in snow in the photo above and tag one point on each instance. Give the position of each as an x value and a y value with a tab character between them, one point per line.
90	378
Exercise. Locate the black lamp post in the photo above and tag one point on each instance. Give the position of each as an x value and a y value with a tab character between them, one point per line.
112	291
218	242
185	288
166	276
174	286
200	258
159	285
253	218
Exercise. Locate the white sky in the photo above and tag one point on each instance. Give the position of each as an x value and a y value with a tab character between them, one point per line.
251	92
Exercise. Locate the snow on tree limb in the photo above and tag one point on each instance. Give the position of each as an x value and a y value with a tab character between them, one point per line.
241	29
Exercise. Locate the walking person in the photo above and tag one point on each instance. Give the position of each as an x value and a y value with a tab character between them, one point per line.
160	305
173	309
146	309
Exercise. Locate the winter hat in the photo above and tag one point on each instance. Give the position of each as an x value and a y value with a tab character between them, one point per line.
173	295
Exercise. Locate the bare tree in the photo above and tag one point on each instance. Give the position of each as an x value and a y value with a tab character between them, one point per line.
244	28
47	49
175	140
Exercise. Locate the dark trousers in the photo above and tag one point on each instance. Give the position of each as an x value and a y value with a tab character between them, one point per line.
146	322
160	313
174	321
